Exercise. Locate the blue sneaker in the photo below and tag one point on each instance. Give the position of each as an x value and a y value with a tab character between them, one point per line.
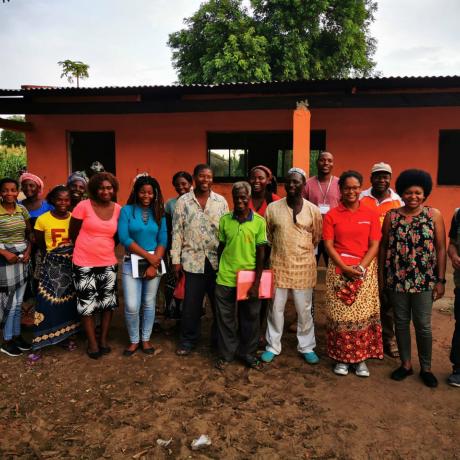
267	356
311	357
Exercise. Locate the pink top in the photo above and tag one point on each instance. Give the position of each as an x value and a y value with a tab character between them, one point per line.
322	193
95	246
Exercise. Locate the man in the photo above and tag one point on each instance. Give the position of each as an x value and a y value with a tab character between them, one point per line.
242	235
381	198
293	229
454	255
323	191
194	252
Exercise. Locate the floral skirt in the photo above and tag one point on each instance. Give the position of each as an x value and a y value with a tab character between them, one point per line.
354	332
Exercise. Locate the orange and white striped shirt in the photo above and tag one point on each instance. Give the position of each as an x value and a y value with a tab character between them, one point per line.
381	207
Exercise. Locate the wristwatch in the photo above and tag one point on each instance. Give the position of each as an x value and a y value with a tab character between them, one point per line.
442	280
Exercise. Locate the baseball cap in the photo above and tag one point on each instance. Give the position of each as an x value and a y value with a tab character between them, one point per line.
381	167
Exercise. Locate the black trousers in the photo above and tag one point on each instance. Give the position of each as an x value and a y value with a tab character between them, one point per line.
236	337
196	286
455	350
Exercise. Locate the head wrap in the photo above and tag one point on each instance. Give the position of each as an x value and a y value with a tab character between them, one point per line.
97	167
264	169
298	171
77	176
33	178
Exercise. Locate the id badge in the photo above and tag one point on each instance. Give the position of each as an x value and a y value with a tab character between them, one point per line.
324	208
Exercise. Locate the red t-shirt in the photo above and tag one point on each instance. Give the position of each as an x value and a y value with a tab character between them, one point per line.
351	231
263	207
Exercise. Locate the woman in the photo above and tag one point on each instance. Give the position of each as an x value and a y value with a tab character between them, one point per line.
32	187
142	231
413	260
15	249
182	182
77	183
262	189
351	235
93	227
56	316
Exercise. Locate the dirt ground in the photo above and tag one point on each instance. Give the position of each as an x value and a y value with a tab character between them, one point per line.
68	406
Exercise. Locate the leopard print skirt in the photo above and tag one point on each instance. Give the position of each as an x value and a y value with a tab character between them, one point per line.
354	332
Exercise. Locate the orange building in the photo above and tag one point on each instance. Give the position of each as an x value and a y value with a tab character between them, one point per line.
407	122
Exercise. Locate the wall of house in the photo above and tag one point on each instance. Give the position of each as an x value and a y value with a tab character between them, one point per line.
165	143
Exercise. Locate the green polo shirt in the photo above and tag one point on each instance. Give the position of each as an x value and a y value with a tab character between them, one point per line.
241	240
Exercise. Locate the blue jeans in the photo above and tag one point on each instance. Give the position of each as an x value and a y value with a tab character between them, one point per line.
13	321
139	293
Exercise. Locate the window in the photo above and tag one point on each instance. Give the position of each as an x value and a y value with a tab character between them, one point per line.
449	157
232	154
85	147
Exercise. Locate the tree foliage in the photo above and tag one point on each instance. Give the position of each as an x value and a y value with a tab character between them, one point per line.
13	138
74	70
278	40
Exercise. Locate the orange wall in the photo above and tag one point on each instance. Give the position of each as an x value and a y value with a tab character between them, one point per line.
164	143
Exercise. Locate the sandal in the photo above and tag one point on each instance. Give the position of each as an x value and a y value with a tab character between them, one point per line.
221	364
129	353
253	363
104	350
183	351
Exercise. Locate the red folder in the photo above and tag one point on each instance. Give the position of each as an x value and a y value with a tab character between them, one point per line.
245	279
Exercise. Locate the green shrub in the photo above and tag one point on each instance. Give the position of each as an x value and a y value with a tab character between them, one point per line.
12	161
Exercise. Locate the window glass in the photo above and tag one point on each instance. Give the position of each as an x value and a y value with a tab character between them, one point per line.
449	157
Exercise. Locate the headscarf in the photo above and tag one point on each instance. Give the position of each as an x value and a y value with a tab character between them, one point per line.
77	176
298	171
33	178
264	169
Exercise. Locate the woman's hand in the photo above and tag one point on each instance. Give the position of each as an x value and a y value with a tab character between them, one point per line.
150	273
26	256
154	260
438	291
455	258
352	272
10	257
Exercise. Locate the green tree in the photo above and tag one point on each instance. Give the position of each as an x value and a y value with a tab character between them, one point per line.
74	70
13	138
220	45
280	40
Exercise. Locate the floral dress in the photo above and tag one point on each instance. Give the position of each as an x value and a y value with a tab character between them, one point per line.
410	263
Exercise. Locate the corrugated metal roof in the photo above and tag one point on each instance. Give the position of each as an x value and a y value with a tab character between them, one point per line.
265	86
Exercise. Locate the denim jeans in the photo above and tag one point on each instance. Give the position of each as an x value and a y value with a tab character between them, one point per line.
418	306
139	293
12	326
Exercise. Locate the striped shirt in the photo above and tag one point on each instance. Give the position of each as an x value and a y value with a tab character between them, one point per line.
13	226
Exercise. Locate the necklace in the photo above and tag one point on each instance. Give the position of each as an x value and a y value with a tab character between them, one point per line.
145	215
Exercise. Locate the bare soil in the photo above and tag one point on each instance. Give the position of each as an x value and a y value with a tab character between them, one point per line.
68	406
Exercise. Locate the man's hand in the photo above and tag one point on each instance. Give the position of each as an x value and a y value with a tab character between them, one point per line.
253	292
177	270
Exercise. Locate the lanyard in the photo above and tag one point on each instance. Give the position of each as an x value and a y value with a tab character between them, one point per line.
327	189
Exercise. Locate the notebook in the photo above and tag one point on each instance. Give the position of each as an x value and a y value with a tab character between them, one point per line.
245	279
139	265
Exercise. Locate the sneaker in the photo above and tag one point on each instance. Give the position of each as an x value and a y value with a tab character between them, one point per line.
22	344
429	379
311	357
361	370
341	369
267	356
454	379
10	349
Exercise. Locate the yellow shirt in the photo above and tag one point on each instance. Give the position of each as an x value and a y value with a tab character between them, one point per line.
56	230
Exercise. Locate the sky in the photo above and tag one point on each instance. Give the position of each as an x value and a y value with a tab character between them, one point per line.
124	41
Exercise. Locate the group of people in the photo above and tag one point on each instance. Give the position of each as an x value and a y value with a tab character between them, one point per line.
385	253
